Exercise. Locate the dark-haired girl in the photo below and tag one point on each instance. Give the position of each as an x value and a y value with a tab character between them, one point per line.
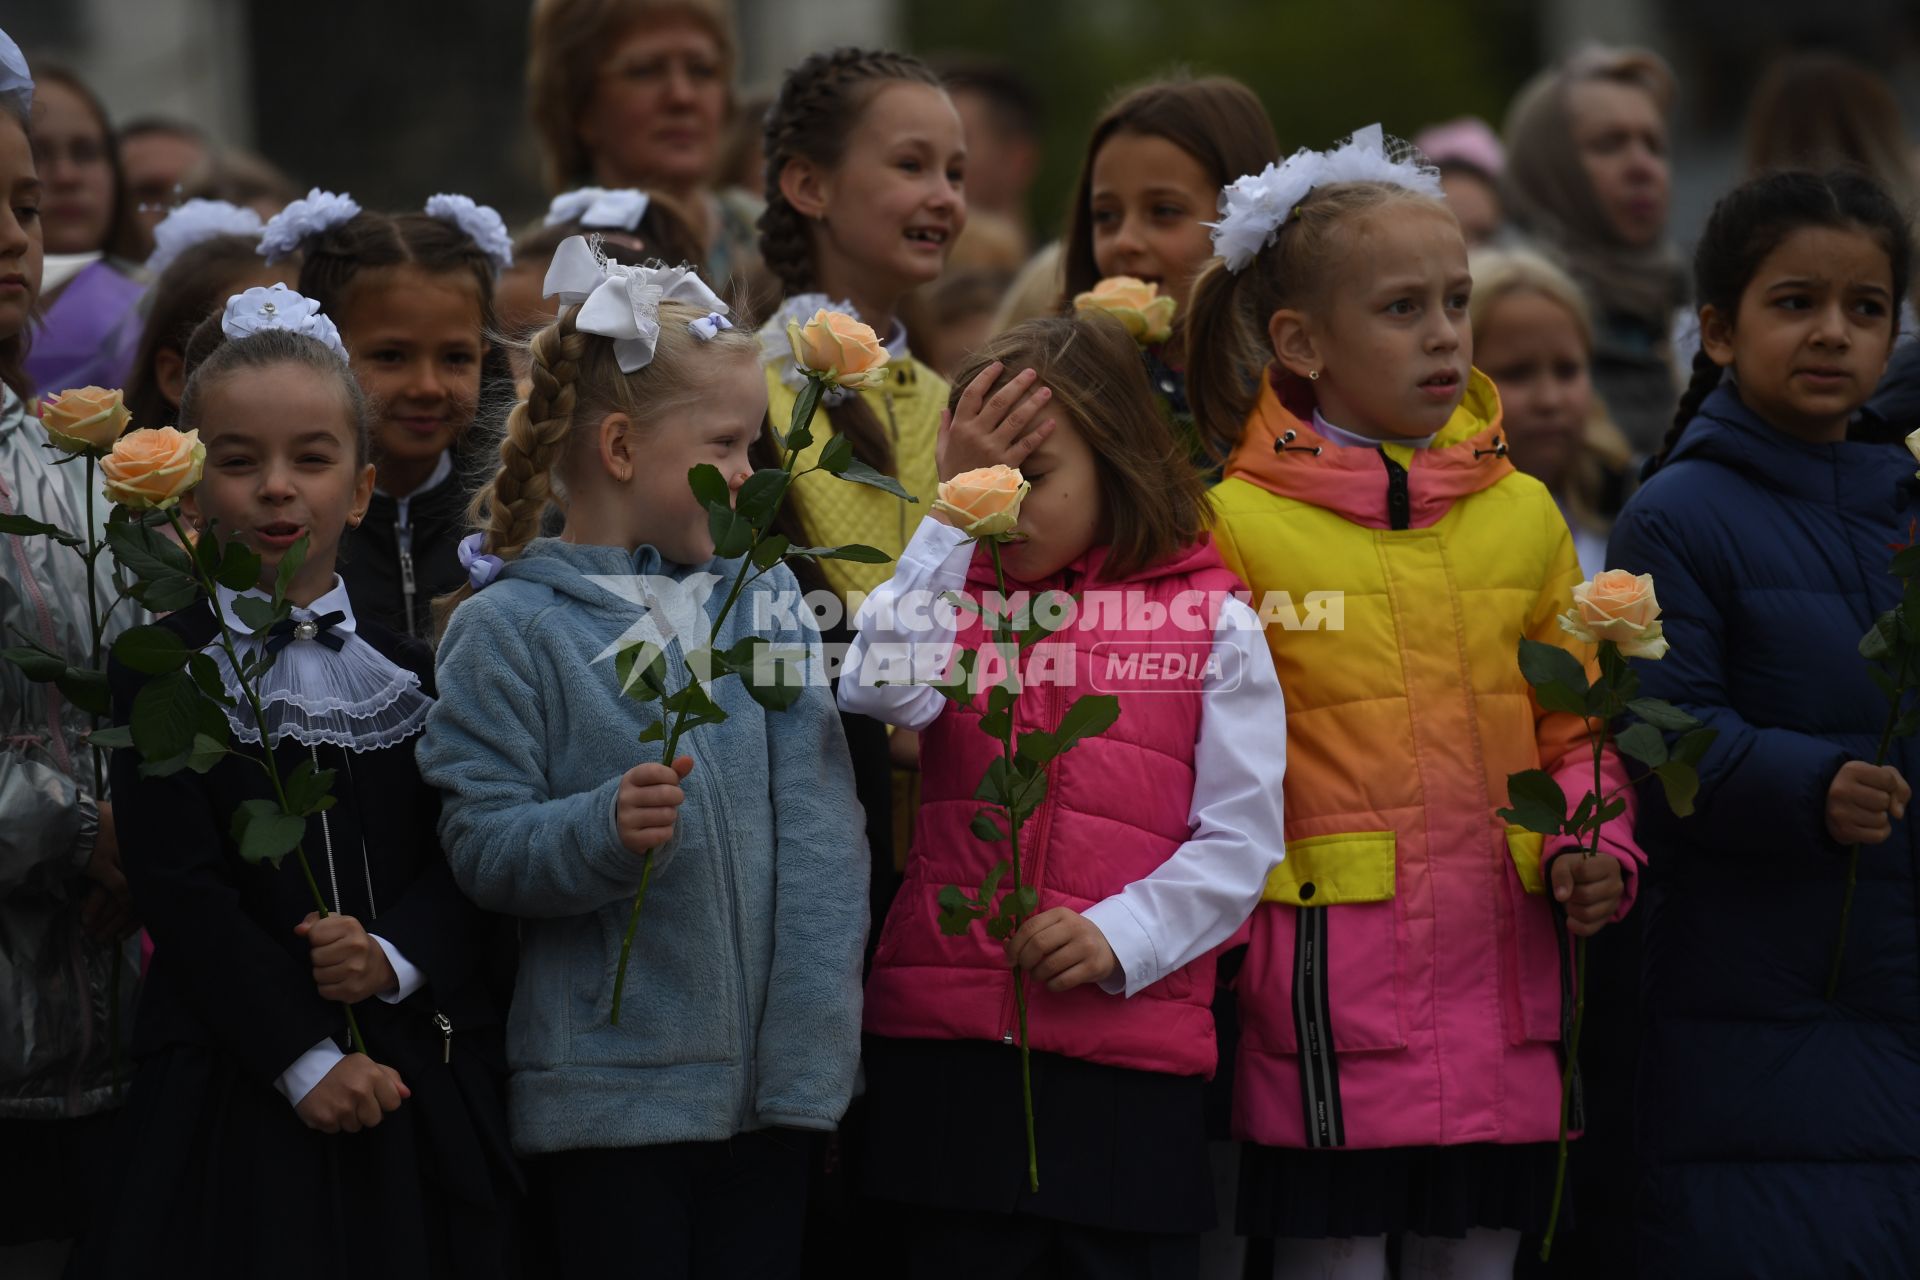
1777	1126
413	296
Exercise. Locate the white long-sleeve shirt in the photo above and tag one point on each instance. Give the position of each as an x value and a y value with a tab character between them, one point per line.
1194	900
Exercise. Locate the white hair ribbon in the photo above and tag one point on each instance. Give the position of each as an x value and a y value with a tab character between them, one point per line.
622	302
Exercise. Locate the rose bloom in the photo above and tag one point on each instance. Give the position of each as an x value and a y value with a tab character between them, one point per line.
151	469
1621	607
983	503
839	346
85	419
1147	314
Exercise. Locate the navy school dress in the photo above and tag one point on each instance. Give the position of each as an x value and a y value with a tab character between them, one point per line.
215	1173
1779	1132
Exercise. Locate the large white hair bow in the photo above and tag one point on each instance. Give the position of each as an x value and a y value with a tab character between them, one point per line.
621	207
1255	207
16	81
622	302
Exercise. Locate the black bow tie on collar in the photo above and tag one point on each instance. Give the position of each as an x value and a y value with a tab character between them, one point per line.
287	630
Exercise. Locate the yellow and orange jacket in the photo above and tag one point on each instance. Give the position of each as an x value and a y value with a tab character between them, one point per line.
1403	983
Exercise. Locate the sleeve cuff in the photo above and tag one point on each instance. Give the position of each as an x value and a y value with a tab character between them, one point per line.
1139	963
406	974
297	1081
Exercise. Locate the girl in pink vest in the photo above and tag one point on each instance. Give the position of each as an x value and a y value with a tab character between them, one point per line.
1152	847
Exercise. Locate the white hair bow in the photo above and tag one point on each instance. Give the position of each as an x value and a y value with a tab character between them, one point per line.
1255	207
621	208
622	302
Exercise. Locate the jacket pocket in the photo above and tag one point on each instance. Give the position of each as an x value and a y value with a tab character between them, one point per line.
1327	958
1532	983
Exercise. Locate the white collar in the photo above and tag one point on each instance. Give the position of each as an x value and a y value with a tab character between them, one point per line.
333	601
1350	440
775	347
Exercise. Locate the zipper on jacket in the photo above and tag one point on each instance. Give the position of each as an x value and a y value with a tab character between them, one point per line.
403	540
1399	503
445	1025
893	434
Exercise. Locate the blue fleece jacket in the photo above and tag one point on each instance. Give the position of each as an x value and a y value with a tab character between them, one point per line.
742	1003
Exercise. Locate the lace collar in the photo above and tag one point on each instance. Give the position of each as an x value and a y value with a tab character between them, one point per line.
327	684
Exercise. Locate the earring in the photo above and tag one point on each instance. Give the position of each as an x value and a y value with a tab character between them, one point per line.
1313	375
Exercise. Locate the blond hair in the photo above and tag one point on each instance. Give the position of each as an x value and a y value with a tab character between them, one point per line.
1499	274
567	43
1227	345
574	383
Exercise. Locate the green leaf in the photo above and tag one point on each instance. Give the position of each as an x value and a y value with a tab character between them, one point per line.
798	439
769	551
957	688
732	532
1583	814
290	561
267	835
1538	802
778	688
860	473
206	675
1692	746
957	911
1088	717
650	681
258	615
709	486
655	732
1643	743
152	650
86	689
1022	902
168	594
239	568
36	664
837	455
990	882
206	753
1884	682
146	552
852	551
760	496
800	425
1614	808
111	737
1001	926
996	785
163	717
985	827
692	701
307	786
1548	665
1027	796
27	527
1906	563
1681	783
1878	643
1662	715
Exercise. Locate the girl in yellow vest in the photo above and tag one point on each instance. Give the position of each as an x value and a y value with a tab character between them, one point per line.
1399	1067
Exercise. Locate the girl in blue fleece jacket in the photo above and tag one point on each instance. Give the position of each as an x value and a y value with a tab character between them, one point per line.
682	1126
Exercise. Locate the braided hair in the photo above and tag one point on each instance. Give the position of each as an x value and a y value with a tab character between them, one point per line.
811	117
1749	223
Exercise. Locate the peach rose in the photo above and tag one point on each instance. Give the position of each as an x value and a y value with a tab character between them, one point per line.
1617	606
85	419
152	468
983	503
1134	303
840	347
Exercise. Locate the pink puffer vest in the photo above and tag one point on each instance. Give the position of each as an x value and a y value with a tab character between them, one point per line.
1117	806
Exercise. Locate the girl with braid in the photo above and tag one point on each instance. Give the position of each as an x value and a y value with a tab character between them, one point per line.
1767	525
865	160
686	1124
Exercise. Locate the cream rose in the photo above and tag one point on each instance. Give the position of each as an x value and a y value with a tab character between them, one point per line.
151	469
835	344
85	419
1147	314
1621	607
983	503
1913	447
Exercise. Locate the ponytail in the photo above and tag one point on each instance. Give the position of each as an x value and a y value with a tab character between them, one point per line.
1706	376
1221	352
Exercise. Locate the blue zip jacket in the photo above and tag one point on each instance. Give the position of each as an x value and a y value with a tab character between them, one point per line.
742	1003
1779	1132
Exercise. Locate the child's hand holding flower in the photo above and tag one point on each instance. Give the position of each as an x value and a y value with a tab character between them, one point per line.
1063	949
648	803
348	965
355	1095
1590	889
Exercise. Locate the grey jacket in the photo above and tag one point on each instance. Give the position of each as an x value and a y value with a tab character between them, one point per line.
742	1006
55	1058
